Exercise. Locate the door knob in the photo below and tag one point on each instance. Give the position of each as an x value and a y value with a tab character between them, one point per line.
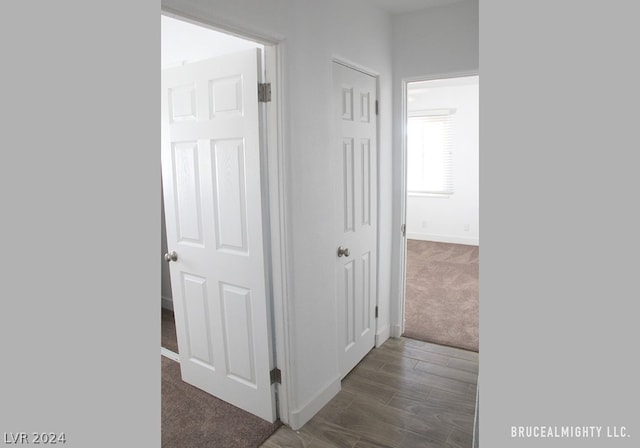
343	251
173	256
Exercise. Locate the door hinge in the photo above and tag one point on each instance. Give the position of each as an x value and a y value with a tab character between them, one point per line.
376	107
403	229
276	376
264	92
376	311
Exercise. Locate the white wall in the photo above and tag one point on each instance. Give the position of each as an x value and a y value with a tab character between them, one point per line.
437	42
312	33
451	218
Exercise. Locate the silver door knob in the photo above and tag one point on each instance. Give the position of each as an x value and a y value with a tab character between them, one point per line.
343	251
173	256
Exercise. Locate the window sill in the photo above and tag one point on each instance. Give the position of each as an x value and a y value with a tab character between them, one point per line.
428	195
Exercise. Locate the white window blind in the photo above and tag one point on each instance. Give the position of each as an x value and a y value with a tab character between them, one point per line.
429	154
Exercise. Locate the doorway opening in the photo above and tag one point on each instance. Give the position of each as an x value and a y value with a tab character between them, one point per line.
222	189
442	211
183	43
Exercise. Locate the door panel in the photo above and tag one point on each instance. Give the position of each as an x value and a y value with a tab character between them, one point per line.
356	142
350	304
197	326
187	191
349	185
212	190
230	196
237	318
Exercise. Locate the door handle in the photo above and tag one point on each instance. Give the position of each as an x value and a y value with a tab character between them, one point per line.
173	256
343	251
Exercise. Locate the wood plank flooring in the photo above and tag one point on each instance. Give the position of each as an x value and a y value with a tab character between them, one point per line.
407	393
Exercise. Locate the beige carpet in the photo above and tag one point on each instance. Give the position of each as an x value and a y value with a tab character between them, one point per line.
192	418
441	304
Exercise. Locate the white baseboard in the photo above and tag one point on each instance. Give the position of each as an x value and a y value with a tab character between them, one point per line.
382	335
302	415
396	331
476	443
444	238
167	303
169	354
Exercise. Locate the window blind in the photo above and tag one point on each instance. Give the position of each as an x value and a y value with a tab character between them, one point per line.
429	154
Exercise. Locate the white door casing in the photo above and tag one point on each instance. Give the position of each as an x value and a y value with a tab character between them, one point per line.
354	99
211	173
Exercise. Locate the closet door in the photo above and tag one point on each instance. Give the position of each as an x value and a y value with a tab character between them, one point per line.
355	142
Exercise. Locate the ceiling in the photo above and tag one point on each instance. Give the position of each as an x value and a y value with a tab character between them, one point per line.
407	6
184	42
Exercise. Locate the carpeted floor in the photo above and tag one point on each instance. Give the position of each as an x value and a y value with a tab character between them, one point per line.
169	337
441	304
192	418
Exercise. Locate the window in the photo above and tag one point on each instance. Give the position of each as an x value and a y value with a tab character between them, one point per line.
429	158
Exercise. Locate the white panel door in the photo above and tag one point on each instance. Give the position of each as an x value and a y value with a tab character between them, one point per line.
355	142
212	189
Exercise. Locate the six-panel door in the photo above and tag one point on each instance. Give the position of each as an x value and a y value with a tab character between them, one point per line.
213	202
355	142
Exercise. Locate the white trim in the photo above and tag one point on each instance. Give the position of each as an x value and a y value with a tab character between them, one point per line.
360	68
169	354
167	303
453	239
279	224
302	415
399	240
382	335
277	205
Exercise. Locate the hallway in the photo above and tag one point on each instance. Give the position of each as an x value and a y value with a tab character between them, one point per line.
407	393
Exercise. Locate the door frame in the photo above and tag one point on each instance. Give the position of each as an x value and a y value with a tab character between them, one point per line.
378	340
398	301
274	187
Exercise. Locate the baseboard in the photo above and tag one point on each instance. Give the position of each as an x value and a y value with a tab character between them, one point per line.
169	354
396	331
299	417
382	335
476	424
167	303
444	238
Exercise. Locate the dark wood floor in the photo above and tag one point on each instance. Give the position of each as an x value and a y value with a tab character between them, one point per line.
407	393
